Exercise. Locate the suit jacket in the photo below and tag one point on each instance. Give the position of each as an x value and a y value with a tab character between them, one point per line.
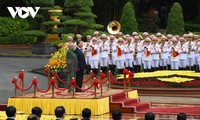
81	59
72	62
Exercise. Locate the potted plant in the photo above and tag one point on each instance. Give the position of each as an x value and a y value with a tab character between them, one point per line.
41	26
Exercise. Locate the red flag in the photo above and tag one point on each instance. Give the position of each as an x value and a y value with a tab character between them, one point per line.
174	53
147	53
94	52
119	52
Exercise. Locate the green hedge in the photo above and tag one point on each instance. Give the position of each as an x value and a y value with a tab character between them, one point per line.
11	31
192	27
17	40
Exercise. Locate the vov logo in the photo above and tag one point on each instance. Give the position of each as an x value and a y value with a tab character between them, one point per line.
19	11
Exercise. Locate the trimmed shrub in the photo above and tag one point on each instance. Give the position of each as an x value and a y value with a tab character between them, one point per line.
175	23
128	21
11	31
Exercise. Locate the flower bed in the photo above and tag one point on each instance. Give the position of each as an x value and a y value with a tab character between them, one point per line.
165	79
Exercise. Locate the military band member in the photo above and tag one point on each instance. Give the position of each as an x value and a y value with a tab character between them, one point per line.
175	51
129	53
169	38
134	34
183	54
87	53
120	59
103	55
147	49
94	60
196	55
155	53
164	53
112	54
137	54
198	52
191	52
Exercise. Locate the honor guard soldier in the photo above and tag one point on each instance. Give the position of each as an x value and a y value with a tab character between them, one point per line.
78	37
96	35
94	60
137	54
183	54
158	35
134	34
147	49
196	55
169	38
198	52
120	49
69	39
164	53
129	53
87	53
175	51
155	53
191	52
104	49
112	54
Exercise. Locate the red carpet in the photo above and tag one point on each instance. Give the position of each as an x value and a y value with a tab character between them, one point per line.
191	110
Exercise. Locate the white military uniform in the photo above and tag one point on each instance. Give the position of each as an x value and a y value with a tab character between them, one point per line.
129	55
147	59
191	53
198	52
155	55
183	56
94	60
112	61
175	58
103	55
87	52
120	59
164	54
138	48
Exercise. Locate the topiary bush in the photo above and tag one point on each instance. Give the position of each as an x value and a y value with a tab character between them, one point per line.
128	21
11	31
175	23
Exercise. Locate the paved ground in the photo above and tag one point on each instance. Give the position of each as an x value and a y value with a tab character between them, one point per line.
10	67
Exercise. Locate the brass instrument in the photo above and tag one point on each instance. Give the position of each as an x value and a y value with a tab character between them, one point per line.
113	27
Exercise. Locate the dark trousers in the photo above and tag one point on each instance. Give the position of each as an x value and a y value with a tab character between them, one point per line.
79	79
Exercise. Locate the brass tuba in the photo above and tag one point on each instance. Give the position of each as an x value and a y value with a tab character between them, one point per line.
113	27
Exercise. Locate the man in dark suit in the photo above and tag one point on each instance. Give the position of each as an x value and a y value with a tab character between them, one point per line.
81	64
10	112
